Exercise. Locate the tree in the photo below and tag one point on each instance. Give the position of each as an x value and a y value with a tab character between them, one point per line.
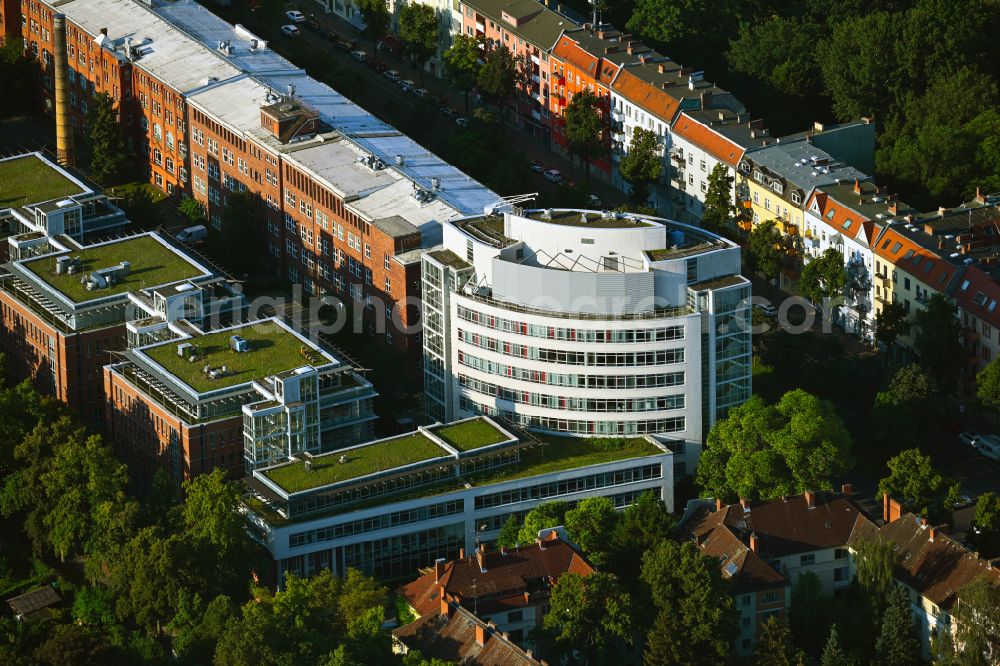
639	528
890	323
19	78
977	618
765	248
912	479
903	410
196	628
585	128
105	138
543	516
875	561
898	644
642	165
141	208
688	586
764	451
376	16
591	614
591	526
461	64
147	579
985	534
810	612
988	385
77	645
824	277
937	343
719	208
497	78
781	52
833	653
698	25
774	645
509	534
192	209
419	31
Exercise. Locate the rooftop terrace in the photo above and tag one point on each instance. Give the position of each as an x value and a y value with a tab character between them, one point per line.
28	180
153	264
575	218
360	461
273	350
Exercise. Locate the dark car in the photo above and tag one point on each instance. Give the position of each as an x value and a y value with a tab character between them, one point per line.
342	44
377	65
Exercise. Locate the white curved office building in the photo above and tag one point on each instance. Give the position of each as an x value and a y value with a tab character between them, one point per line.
586	323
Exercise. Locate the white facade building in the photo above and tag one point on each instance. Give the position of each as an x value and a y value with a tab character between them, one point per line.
392	506
586	323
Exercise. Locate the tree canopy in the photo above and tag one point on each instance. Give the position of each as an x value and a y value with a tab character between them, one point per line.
642	165
824	277
461	65
762	451
592	614
586	128
765	248
376	16
988	385
105	140
719	209
937	342
419	31
912	479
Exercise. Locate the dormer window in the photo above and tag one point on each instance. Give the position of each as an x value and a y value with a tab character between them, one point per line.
777	187
758	176
745	167
796	198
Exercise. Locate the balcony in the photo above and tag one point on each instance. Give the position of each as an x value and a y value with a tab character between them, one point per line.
677	156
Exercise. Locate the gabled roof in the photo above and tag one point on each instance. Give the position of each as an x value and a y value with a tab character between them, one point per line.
453	638
537	23
504	573
736	560
929	561
790	526
931	268
979	294
569	51
708	139
649	97
34	604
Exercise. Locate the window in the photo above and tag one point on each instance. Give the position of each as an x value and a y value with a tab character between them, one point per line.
515	616
368	251
746	599
769	597
840	553
840	575
807	560
387	261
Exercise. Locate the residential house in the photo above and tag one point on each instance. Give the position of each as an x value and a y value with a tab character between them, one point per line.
509	588
455	635
775	181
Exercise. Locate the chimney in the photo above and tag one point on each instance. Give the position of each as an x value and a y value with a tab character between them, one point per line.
754	542
439	564
810	499
706	101
104	31
65	151
461	553
980	197
718	504
942	210
817	126
445	606
931	533
662	69
479	560
745	503
480	635
891	509
940	242
857	186
893	208
846	490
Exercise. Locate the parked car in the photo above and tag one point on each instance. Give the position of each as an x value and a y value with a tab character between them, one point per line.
970	438
448	112
766	308
460	121
342	44
553	176
290	30
360	56
377	65
295	16
407	85
192	235
989	447
421	93
594	201
538	166
392	75
963	501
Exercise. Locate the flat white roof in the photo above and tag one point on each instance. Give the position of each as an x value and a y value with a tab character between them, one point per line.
166	53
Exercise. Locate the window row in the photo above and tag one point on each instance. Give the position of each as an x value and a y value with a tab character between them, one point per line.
572	334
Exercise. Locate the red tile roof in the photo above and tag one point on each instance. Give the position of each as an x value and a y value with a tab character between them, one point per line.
570	52
980	297
707	139
935	567
453	638
738	563
646	95
841	218
504	575
899	250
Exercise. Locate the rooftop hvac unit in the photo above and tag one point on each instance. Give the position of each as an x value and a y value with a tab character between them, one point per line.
399	160
238	344
183	348
61	264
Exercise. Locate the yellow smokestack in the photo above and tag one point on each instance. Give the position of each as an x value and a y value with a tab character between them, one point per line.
64	130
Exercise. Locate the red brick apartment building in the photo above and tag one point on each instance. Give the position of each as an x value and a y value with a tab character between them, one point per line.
348	242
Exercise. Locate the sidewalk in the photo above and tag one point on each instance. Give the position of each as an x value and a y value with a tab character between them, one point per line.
532	147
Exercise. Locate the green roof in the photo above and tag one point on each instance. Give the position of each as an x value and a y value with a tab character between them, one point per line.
29	180
562	453
361	461
153	264
273	350
469	435
574	218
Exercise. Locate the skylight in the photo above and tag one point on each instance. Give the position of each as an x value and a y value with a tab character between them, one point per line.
909	253
928	266
897	247
965	285
847	223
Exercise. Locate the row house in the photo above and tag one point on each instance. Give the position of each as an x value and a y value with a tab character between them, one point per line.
774	182
529	29
764	547
348	201
449	25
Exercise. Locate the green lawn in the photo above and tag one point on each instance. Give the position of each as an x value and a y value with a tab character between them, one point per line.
327	469
560	453
29	180
469	435
272	350
153	264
